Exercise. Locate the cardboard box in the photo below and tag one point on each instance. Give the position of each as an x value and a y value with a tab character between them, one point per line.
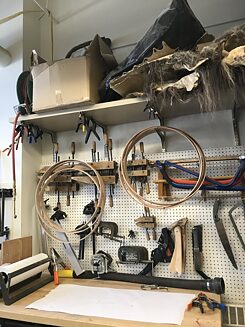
71	81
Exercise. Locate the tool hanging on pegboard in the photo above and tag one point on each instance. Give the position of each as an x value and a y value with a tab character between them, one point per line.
147	221
177	263
132	254
197	250
101	263
88	210
109	230
163	253
138	171
222	233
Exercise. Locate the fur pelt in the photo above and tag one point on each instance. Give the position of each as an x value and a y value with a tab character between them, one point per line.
216	75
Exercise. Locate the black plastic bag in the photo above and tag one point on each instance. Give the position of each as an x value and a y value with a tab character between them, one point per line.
177	26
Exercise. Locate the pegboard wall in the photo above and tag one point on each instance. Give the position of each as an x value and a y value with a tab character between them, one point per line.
197	210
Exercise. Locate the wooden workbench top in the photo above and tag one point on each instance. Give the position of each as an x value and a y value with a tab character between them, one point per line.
17	310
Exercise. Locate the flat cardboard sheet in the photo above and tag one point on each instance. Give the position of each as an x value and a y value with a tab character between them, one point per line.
136	305
16	249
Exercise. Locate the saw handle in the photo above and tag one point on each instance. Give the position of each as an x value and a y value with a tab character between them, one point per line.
196	233
216	209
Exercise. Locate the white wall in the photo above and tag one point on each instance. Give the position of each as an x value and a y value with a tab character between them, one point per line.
19	36
125	22
11	39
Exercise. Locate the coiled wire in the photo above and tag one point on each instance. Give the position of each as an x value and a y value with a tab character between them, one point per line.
123	174
49	176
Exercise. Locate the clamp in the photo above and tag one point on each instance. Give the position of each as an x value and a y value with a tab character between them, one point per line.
211	304
88	125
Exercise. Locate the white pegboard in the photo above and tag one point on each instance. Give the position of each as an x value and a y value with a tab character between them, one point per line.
198	211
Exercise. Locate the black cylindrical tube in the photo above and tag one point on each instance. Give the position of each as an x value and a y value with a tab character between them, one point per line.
215	285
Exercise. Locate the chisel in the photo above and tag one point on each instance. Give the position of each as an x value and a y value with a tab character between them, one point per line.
110	149
106	145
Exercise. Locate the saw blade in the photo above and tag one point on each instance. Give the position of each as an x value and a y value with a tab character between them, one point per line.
222	233
225	242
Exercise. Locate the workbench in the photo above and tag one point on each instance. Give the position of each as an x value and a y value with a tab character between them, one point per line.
18	312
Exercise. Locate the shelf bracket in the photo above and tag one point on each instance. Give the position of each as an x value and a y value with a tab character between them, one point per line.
235	124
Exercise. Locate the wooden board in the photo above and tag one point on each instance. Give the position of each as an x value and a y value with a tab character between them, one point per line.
138	162
101	165
138	173
17	249
86	180
17	311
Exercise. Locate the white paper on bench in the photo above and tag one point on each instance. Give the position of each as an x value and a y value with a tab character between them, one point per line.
136	305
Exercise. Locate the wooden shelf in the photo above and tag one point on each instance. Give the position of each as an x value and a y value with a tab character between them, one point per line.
113	113
107	113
